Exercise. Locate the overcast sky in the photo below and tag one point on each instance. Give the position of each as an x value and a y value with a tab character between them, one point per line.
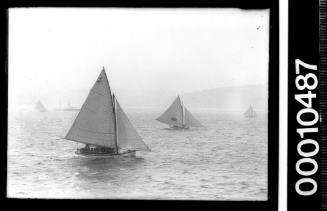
179	50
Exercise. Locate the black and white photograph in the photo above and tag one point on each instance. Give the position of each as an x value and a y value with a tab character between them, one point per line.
138	103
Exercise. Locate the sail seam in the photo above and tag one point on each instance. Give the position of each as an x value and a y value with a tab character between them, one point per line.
92	131
97	93
92	138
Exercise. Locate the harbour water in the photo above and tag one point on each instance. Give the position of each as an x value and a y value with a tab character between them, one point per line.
225	160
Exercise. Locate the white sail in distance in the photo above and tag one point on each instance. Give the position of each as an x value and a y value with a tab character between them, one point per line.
95	122
40	107
174	114
127	136
250	113
69	106
178	115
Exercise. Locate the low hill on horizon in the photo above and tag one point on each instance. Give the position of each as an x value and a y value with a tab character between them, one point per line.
229	98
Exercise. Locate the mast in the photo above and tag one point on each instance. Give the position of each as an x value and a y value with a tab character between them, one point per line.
115	117
115	121
183	114
182	110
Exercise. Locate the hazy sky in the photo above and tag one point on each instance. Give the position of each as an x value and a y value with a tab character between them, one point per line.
179	50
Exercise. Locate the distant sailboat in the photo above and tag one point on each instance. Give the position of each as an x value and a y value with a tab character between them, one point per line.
70	108
178	116
103	126
40	107
250	113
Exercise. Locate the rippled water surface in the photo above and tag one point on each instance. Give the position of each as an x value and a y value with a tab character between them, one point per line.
225	160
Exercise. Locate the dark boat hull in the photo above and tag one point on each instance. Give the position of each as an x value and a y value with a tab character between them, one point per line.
129	153
177	128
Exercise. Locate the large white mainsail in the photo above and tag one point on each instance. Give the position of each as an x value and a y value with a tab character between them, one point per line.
250	113
95	123
190	119
127	136
174	114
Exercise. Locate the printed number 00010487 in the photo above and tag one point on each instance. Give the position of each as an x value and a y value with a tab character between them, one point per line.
309	83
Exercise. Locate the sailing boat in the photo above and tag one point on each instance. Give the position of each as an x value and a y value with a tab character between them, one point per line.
103	126
40	107
70	108
250	113
178	116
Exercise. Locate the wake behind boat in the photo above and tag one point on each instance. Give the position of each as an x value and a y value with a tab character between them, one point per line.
103	126
177	116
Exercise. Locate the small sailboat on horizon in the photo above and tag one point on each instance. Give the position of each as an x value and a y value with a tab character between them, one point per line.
177	116
40	107
70	108
250	113
103	126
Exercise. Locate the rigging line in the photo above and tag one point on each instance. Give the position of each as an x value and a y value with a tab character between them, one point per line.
114	103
